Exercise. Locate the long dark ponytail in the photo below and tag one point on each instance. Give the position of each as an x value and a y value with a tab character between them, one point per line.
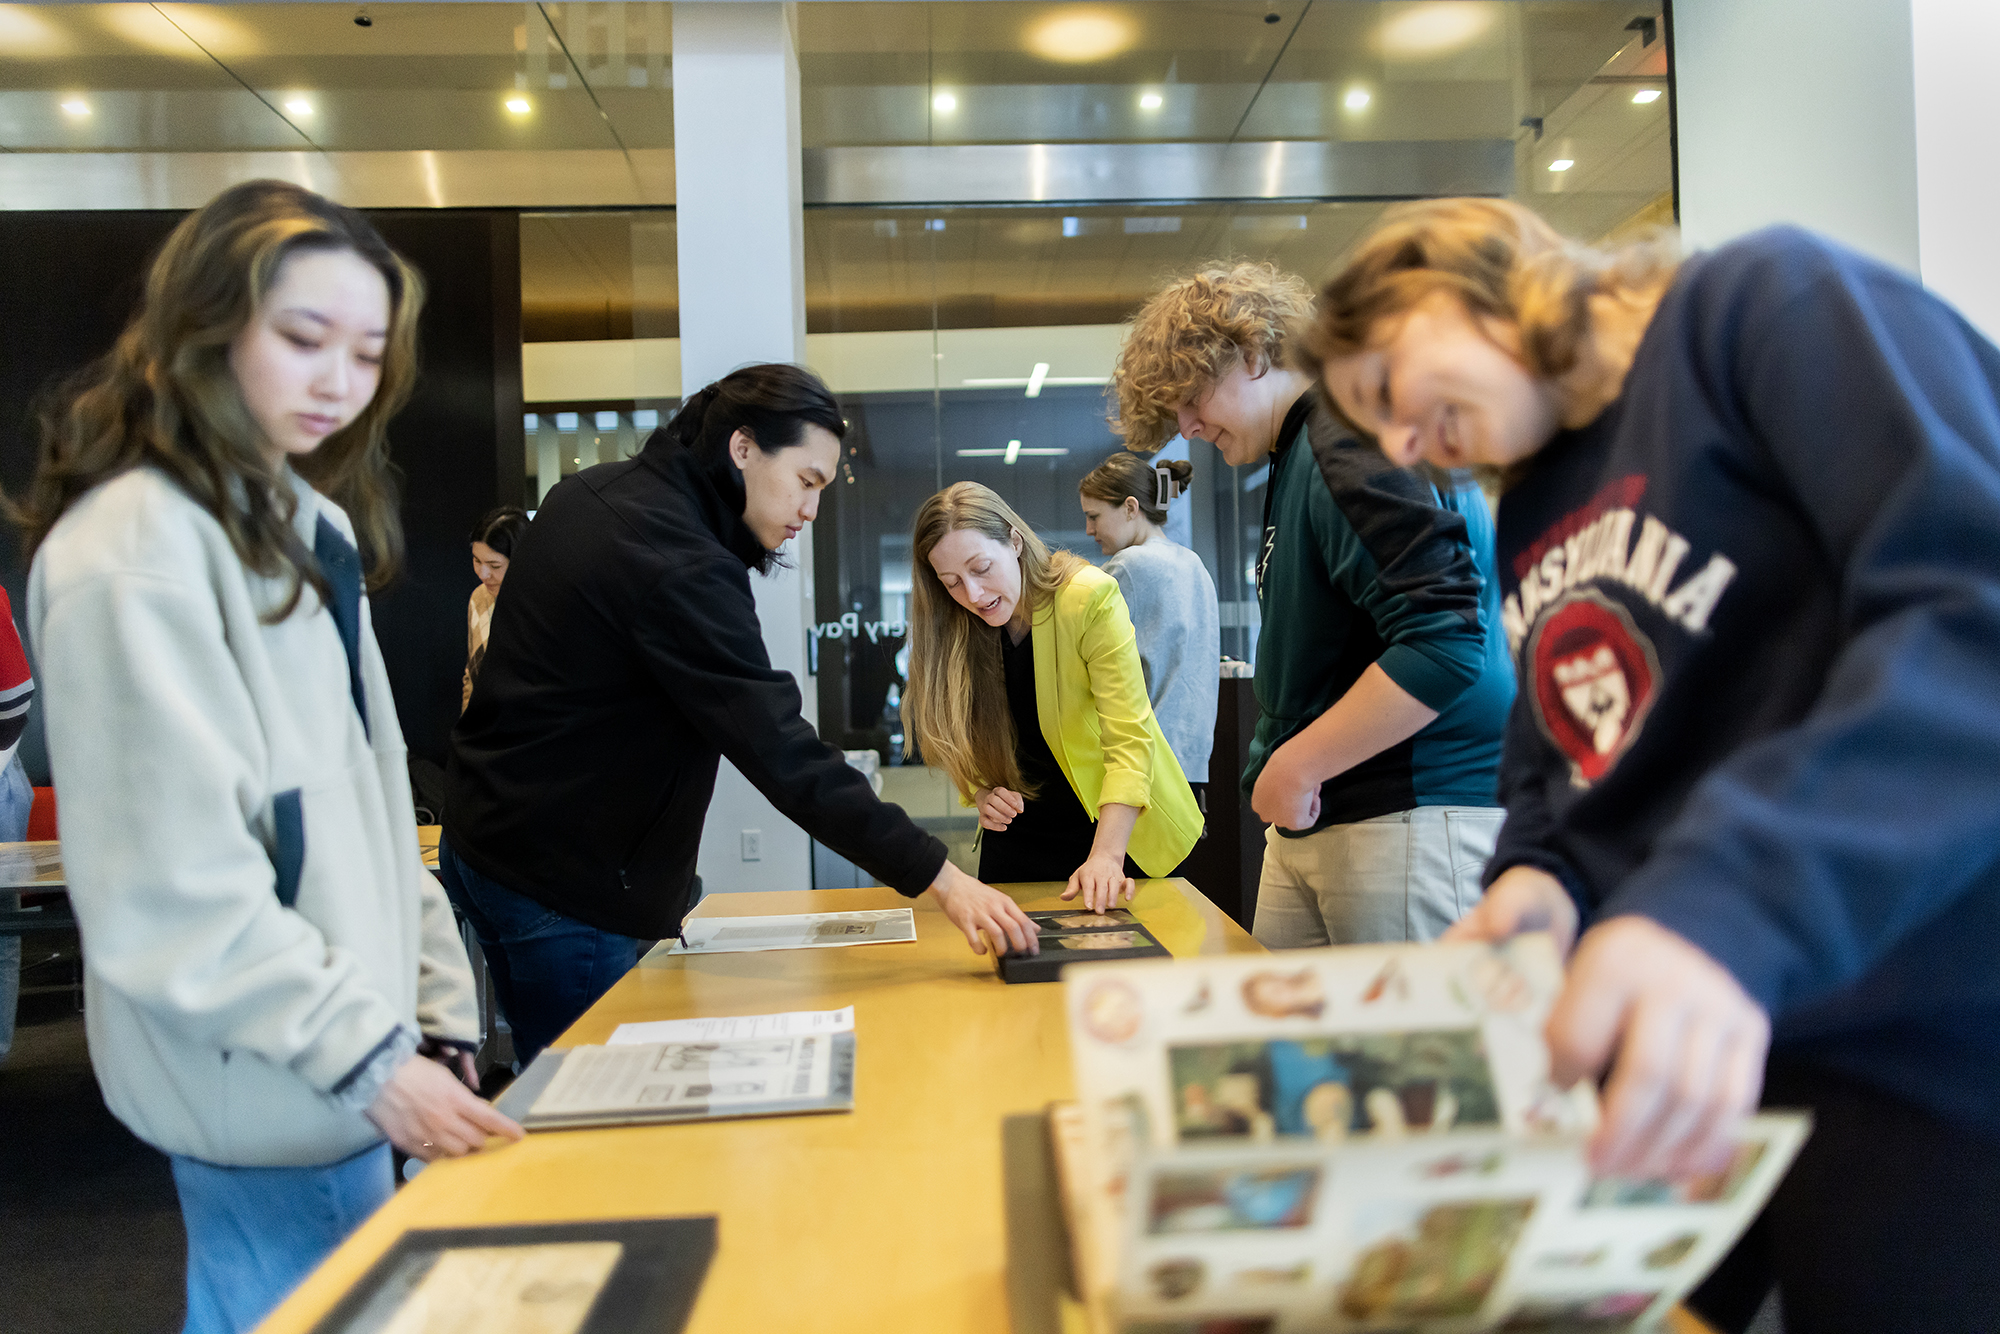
771	402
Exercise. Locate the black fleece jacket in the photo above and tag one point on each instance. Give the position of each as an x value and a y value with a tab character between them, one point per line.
625	658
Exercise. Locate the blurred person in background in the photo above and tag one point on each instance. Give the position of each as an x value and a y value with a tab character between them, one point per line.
17	798
1169	595
493	539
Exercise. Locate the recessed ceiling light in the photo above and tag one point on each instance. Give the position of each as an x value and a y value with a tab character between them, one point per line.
1356	100
944	102
298	106
1562	164
1074	38
1645	95
76	106
1151	101
519	106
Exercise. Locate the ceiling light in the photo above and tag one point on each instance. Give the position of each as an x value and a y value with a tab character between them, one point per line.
1434	29
1074	38
298	106
1013	451
1356	100
1562	164
1645	95
76	106
1151	101
944	102
1035	378
519	106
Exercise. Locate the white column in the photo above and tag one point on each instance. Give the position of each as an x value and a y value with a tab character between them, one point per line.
1958	169
737	198
1797	111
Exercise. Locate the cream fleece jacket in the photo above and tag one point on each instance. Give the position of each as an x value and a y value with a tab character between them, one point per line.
262	944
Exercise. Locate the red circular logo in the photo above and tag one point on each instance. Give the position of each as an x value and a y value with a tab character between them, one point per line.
1594	676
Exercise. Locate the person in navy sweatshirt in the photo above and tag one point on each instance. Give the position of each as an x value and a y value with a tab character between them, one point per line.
1750	565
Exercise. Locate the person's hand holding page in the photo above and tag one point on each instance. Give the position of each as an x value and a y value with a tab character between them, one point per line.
1683	1042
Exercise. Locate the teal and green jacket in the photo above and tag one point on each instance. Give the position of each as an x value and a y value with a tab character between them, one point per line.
1361	563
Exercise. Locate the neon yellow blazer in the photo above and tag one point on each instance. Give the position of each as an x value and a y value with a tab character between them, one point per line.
1090	697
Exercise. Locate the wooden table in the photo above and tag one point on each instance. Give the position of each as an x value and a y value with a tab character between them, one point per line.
889	1218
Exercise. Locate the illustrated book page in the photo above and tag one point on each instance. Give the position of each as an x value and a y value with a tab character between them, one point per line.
1367	1138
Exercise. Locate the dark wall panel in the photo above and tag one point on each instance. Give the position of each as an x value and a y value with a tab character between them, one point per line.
69	281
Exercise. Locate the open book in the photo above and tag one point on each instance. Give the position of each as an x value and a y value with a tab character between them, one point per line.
1364	1138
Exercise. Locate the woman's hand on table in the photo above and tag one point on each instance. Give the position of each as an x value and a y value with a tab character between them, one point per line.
1101	881
977	908
997	807
1683	1042
428	1114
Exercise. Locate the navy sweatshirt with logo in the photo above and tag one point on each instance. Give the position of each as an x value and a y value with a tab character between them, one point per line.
1755	611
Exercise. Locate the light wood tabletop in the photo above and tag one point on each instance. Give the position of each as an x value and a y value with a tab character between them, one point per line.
888	1218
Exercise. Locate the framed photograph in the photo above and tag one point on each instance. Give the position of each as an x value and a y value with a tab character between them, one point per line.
615	1276
1060	948
1431	1260
1332	1087
1078	919
1232	1199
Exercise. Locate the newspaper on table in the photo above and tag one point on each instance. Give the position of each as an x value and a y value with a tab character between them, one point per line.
727	1028
801	931
687	1079
1366	1138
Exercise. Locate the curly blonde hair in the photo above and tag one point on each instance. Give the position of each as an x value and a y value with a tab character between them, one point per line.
1194	332
1502	260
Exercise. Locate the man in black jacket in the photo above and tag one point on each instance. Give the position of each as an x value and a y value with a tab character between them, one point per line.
625	658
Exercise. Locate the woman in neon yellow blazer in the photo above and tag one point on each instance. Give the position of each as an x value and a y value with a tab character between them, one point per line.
1025	687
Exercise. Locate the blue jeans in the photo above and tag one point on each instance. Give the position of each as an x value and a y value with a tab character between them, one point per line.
547	968
253	1233
17	799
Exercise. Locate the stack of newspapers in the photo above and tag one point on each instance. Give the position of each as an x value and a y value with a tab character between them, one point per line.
1364	1138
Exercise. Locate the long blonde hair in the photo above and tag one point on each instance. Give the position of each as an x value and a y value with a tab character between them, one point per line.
1500	259
955	706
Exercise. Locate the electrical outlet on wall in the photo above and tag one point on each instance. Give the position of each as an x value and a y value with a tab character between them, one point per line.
753	845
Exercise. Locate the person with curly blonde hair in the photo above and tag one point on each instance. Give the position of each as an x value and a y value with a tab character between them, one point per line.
1382	681
1751	580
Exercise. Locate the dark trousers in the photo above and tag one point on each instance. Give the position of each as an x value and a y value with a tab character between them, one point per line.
1888	1222
548	968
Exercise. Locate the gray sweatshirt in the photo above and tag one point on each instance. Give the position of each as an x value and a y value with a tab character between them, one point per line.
1172	601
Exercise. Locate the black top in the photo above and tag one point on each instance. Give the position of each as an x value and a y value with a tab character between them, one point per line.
625	659
1756	611
1052	837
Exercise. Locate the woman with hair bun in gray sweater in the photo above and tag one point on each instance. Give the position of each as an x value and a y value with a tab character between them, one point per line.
1169	594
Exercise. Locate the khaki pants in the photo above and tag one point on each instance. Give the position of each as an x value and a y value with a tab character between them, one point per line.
1403	876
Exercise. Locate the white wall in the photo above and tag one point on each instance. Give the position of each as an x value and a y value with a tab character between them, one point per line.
741	236
1800	111
1958	153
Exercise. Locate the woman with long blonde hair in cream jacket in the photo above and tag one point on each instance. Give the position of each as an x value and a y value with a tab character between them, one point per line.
1026	688
274	982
